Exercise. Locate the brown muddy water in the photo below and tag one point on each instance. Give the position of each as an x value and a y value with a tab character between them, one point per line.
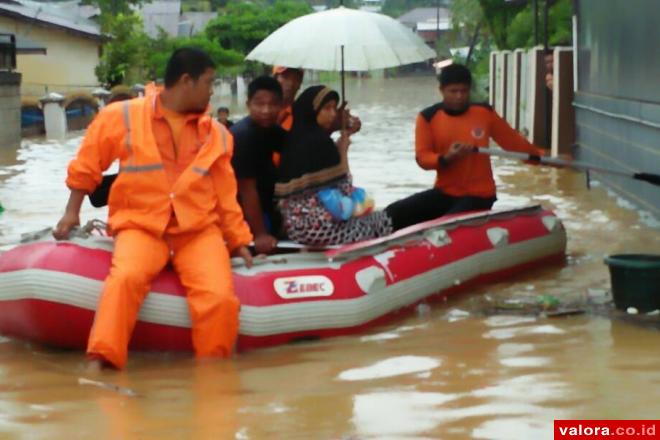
446	371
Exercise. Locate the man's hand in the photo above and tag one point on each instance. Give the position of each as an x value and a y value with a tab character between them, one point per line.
244	253
71	215
458	150
264	243
68	221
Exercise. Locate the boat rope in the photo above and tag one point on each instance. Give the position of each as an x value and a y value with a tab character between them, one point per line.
92	227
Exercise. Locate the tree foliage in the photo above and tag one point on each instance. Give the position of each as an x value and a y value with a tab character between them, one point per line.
521	29
123	51
131	56
110	9
159	50
243	25
512	25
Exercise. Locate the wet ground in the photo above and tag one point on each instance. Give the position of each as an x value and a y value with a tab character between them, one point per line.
448	370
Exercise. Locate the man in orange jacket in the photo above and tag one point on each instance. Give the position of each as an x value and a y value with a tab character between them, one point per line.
445	136
174	199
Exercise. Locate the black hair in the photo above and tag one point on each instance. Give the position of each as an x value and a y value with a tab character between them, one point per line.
455	74
188	60
223	109
264	82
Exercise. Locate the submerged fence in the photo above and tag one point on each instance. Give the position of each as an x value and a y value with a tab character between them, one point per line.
533	90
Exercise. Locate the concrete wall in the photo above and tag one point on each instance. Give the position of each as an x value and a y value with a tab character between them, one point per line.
10	110
69	63
617	102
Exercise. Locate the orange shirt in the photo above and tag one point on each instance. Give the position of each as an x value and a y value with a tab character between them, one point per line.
471	175
176	138
285	118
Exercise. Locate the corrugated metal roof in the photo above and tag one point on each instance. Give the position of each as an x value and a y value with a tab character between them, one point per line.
50	15
197	21
161	14
418	15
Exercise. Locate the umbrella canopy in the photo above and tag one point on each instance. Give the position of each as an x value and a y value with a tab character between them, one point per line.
342	39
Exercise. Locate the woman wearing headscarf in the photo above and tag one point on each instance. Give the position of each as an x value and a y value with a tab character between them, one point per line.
314	186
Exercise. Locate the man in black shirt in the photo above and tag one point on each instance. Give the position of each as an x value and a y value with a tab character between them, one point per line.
256	138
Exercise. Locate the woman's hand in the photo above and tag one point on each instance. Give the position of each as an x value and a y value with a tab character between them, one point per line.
343	142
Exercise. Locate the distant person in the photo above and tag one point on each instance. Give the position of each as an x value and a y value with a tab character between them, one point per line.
174	200
256	138
445	137
223	117
290	79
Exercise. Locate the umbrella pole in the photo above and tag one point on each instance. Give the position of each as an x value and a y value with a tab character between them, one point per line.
343	73
343	88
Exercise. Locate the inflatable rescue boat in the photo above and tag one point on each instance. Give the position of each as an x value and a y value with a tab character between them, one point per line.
49	290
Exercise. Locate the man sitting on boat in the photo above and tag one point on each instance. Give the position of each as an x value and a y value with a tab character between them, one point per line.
256	138
290	78
445	136
174	199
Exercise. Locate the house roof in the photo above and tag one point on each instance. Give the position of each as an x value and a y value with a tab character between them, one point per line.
418	15
161	14
194	22
50	15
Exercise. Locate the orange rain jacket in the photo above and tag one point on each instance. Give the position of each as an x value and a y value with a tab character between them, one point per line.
472	175
142	196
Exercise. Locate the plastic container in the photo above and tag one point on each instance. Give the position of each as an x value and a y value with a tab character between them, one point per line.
635	281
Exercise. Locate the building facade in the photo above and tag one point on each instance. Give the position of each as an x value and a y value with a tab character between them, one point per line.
71	47
617	93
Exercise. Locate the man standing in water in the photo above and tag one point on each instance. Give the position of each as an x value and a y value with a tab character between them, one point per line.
445	137
174	199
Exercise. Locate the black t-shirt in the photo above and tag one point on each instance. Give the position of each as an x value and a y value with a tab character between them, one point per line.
253	159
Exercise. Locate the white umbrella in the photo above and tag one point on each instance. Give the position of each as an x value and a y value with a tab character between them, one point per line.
342	39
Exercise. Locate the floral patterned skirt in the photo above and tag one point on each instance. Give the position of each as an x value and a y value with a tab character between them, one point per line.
308	222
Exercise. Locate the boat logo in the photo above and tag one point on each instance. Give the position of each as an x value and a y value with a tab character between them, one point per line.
478	132
304	287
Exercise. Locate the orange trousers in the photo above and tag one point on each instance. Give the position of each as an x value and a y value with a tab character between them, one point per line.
201	261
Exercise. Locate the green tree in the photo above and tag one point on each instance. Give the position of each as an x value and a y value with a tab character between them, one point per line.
159	50
243	25
112	8
122	54
521	29
498	15
218	4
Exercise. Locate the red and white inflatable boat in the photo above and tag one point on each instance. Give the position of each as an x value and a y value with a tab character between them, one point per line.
49	290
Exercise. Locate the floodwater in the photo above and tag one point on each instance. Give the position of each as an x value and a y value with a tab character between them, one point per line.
446	371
